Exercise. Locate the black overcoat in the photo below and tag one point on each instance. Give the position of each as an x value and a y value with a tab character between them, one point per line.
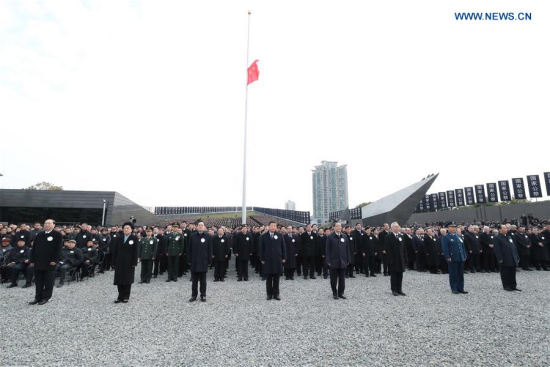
200	251
125	257
273	252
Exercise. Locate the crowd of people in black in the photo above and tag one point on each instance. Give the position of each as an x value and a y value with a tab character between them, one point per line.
305	251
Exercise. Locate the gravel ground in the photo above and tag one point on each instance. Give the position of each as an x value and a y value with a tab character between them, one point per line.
236	326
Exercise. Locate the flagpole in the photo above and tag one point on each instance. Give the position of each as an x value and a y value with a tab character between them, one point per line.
245	122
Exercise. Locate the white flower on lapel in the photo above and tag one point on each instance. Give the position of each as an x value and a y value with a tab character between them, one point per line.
131	242
203	240
50	238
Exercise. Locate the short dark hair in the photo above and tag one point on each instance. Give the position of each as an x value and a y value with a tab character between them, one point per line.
128	224
501	225
271	221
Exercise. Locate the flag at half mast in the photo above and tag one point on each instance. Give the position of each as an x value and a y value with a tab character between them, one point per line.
253	72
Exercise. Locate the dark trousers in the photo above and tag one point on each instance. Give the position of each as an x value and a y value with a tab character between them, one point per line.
443	265
420	261
396	280
358	263
350	270
338	277
299	261
309	264
196	278
369	264
325	267
159	265
272	284
13	271
289	273
43	280
219	269
474	262
242	268
63	271
124	292
173	266
488	260
146	270
385	264
87	269
319	261
508	276
524	261
456	275
107	259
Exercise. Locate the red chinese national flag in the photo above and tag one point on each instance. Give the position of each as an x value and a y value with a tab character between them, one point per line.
253	72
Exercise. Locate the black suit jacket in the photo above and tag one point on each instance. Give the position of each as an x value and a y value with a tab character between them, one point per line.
395	252
45	251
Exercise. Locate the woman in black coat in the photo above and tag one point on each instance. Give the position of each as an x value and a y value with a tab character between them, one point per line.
125	256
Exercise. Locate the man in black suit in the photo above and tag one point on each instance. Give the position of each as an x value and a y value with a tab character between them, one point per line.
338	257
524	248
381	238
419	251
507	257
44	258
359	238
242	248
199	256
397	258
308	251
272	255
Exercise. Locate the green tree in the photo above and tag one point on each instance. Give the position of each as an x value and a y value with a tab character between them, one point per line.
45	186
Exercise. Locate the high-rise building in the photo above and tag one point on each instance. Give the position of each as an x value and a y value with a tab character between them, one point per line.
330	190
290	205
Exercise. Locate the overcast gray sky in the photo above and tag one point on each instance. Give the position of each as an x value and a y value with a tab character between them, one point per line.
147	97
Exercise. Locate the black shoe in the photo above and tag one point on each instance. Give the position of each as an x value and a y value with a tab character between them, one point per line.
148	281
312	278
216	280
352	276
175	279
203	298
342	296
305	277
516	289
246	279
456	292
27	285
264	279
401	293
192	299
43	302
222	280
277	297
291	278
141	282
118	300
372	275
508	289
154	276
463	292
239	279
60	285
325	276
34	302
385	275
335	296
269	297
124	301
482	271
12	285
168	280
395	293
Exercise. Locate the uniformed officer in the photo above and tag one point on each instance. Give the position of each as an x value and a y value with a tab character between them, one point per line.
17	262
220	255
455	254
71	257
174	249
89	258
147	252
